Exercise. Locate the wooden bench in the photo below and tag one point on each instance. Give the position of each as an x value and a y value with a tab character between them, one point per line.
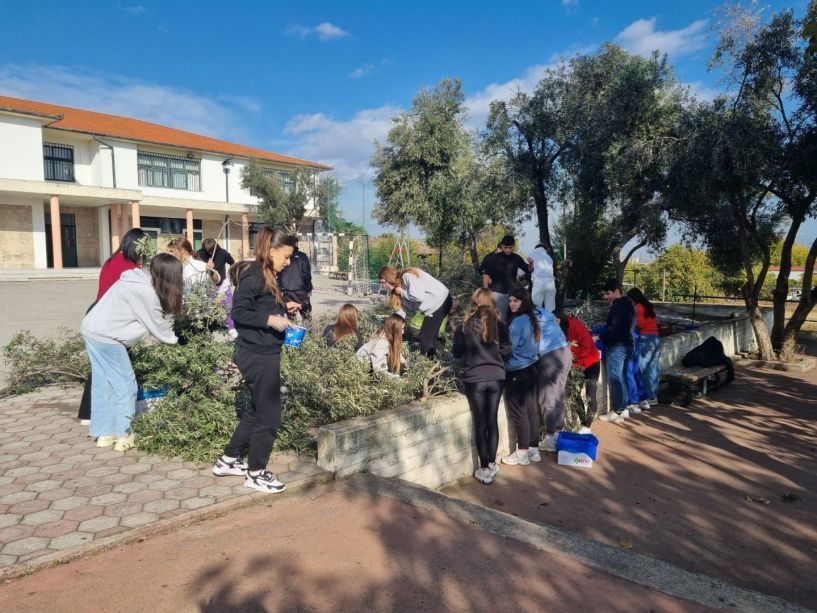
695	380
336	274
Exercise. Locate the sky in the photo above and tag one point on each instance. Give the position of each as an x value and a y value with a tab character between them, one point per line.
322	80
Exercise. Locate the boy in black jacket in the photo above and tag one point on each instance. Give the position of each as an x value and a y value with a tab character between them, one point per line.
618	347
296	282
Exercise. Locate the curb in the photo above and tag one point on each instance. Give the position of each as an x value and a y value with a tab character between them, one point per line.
160	527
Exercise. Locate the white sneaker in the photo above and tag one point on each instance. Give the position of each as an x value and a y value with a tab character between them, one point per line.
265	482
517	458
534	455
494	469
548	444
652	401
633	409
123	443
626	413
105	441
85	422
644	405
613	417
236	468
484	476
585	430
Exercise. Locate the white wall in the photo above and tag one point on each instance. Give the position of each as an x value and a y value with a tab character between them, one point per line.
85	149
21	148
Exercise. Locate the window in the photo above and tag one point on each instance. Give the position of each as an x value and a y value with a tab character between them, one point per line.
58	161
169	171
254	228
284	176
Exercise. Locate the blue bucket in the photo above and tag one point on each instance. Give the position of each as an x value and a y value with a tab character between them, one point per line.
578	450
294	336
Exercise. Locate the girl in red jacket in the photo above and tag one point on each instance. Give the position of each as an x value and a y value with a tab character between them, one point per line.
649	345
585	356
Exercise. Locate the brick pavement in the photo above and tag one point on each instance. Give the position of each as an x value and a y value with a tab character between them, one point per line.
59	493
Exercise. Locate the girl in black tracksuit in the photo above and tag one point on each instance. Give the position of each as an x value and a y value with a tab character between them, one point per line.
483	343
260	315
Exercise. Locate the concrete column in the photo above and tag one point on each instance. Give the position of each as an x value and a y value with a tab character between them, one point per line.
38	234
104	233
245	236
56	232
190	226
124	226
334	252
134	214
116	228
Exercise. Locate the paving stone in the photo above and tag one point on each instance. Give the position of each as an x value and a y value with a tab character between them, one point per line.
150	459
98	523
56	528
210	479
197	503
29	506
15	445
98	489
125	460
108	455
216	491
144	495
33	555
117	479
181	474
173	513
78	458
5	480
70	503
78	482
41	517
7	560
32	478
134	469
16	497
123	508
21	471
101	471
108	499
160	506
15	533
26	545
72	539
34	455
9	519
11	488
19	428
83	513
164	484
44	486
110	532
181	493
8	457
139	519
238	490
129	488
52	449
55	494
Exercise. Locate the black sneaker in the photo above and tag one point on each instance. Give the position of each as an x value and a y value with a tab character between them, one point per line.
264	482
236	468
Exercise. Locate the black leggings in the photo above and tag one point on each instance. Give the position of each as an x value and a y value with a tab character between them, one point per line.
259	425
430	328
483	398
520	398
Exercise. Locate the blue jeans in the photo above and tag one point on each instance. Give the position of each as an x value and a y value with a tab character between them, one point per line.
617	362
113	388
650	357
635	381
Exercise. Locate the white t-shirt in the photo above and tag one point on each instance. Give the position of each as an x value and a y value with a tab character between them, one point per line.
195	271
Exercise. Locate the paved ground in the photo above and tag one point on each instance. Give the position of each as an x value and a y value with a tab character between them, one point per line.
59	492
336	548
700	487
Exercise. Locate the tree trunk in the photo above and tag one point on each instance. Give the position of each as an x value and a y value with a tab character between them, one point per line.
473	252
764	341
808	298
781	287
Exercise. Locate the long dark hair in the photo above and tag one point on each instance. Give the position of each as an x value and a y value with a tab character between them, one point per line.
561	317
129	247
347	322
166	275
526	308
266	239
637	296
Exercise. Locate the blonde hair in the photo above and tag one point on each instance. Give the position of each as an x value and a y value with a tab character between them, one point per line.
392	276
483	309
347	322
392	331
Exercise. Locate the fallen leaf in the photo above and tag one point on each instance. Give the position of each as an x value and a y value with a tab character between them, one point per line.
759	499
625	544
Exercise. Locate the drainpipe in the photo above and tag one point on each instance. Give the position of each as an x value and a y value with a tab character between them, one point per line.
113	158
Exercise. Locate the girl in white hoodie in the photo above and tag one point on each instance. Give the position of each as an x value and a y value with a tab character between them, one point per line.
135	307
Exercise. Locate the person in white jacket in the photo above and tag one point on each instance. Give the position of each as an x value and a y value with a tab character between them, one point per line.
543	292
134	307
195	270
416	290
385	349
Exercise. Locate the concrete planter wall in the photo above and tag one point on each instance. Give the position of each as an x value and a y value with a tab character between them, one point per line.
432	443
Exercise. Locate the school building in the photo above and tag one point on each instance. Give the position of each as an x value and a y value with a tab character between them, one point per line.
72	182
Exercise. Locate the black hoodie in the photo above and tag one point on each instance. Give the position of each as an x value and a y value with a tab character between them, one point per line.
481	361
252	306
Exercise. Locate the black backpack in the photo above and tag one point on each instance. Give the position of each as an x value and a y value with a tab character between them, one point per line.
710	353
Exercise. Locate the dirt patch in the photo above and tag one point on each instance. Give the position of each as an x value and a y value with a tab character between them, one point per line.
724	487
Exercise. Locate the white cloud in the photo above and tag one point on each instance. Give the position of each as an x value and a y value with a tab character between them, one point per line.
133	10
642	38
218	116
345	145
362	71
703	92
324	31
570	4
594	22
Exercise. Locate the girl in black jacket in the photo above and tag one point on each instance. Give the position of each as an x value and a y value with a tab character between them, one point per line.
260	315
483	343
